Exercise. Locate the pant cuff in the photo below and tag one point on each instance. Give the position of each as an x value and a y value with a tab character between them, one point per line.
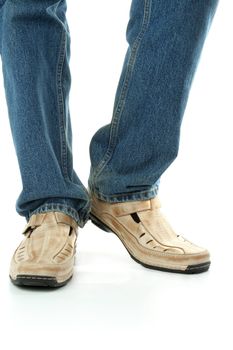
66	209
125	197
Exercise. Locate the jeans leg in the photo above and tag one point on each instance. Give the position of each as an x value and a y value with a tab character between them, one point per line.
129	155
35	50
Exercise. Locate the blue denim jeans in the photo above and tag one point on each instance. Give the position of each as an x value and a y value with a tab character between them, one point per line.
128	155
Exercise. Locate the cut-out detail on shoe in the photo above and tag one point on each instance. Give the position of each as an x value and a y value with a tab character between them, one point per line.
135	217
61	257
64	254
69	251
143	234
151	240
71	230
20	253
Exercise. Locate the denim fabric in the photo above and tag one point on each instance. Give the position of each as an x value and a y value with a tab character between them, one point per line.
129	155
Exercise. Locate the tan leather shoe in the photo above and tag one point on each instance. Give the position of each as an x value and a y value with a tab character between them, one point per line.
46	255
148	237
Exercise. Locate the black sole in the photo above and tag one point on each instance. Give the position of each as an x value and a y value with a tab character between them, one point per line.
38	281
191	269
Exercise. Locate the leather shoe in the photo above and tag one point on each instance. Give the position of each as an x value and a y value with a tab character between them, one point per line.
45	257
148	237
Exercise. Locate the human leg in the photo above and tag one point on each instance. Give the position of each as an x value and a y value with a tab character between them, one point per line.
129	155
35	51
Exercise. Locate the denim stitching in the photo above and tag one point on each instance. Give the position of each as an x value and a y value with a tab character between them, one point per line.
154	187
119	109
59	207
61	110
80	219
128	197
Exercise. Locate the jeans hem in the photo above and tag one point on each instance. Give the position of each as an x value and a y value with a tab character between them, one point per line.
62	208
125	197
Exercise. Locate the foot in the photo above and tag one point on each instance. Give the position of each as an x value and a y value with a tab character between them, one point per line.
45	257
148	237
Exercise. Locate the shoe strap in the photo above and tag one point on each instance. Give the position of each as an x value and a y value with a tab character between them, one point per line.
136	206
61	218
65	219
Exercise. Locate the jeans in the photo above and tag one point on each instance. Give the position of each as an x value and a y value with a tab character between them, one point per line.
128	156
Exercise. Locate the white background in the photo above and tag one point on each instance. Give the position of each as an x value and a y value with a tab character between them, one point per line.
112	302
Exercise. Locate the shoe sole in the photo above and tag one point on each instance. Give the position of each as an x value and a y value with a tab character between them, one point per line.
38	281
191	269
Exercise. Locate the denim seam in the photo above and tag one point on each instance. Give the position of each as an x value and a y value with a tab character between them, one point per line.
119	108
60	99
